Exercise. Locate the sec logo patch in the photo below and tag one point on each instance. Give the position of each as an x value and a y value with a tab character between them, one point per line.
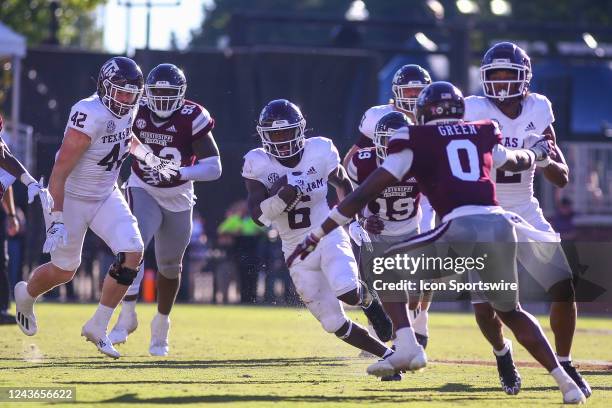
141	123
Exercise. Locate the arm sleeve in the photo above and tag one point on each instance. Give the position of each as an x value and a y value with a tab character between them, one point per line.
206	169
428	218
500	155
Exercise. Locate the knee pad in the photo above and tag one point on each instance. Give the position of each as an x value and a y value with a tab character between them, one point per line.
122	274
333	322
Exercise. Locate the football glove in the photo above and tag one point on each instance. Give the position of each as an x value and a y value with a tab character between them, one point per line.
308	245
38	189
168	169
56	233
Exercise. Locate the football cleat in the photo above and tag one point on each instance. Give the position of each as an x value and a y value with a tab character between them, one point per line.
394	377
126	325
575	375
400	360
25	310
376	315
97	335
572	394
421	339
160	326
509	377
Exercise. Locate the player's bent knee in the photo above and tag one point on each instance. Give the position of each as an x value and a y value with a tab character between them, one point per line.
170	272
484	311
64	275
562	291
122	273
333	323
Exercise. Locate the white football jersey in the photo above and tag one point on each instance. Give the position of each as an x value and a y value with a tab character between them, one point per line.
514	189
319	158
95	175
371	117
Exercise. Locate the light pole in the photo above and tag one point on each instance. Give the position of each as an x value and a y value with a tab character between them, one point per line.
128	4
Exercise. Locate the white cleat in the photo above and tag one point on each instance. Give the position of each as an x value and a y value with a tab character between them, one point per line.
126	325
573	395
160	326
399	361
25	309
97	335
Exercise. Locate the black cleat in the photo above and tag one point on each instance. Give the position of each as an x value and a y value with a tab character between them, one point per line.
6	318
575	375
509	377
422	339
394	377
380	321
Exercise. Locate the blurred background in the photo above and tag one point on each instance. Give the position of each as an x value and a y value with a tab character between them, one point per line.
334	58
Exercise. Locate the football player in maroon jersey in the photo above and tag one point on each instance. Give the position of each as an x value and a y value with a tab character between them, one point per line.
458	186
408	81
175	128
10	170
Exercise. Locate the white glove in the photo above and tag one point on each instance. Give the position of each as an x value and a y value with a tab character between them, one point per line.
531	141
168	169
38	189
56	234
542	149
359	235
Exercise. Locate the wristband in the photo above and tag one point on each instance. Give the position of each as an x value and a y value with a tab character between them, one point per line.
339	218
26	179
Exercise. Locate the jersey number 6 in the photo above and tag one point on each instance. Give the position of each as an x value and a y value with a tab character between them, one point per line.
299	217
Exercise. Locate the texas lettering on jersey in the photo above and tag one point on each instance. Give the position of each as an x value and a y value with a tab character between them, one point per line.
171	139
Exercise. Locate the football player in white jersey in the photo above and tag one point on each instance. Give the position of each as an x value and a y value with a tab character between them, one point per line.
173	127
83	184
523	116
408	82
287	182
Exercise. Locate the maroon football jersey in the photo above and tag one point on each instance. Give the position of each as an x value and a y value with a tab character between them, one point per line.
452	163
398	202
170	140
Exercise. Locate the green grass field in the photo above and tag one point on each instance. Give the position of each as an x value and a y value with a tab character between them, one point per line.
256	357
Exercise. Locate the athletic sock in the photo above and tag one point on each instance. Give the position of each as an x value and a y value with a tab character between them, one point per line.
420	323
504	350
405	338
563	380
103	315
563	359
128	306
387	353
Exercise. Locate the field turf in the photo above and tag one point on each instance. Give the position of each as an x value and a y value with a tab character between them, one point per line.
258	356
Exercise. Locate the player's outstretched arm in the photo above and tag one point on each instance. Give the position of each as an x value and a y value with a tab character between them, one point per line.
556	170
345	211
208	166
522	159
349	155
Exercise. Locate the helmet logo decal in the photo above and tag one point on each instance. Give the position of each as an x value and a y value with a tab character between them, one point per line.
110	68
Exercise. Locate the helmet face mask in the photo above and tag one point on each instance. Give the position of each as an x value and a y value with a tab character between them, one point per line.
407	83
505	72
405	96
120	100
165	90
381	141
281	128
120	85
